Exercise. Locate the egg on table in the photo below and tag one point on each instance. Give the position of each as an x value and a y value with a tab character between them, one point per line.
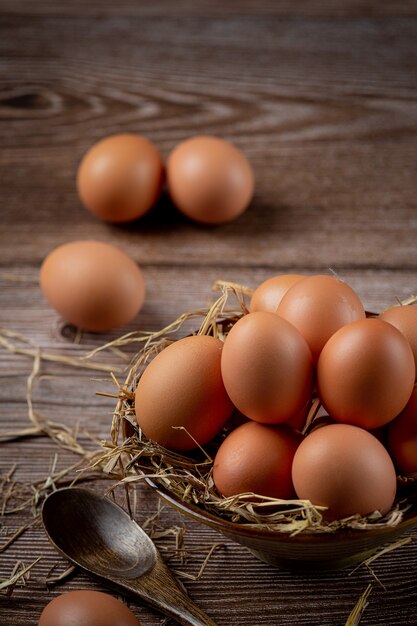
209	179
120	177
92	285
86	608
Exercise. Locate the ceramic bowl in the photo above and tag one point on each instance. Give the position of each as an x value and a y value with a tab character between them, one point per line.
306	551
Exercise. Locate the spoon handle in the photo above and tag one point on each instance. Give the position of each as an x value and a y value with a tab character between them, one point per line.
160	589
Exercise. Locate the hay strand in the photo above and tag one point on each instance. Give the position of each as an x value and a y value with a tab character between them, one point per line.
9	340
17	534
17	576
359	608
189	477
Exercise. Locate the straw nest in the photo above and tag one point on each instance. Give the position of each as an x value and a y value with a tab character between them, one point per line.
188	477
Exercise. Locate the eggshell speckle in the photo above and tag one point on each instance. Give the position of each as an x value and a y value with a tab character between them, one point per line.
92	284
209	179
318	306
120	177
256	458
267	368
87	608
183	386
365	373
346	469
268	295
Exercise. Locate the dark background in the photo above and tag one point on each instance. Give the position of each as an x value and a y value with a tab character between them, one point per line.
322	98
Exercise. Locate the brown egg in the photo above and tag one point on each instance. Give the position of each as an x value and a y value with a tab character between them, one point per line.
256	458
183	386
209	180
402	437
346	469
405	319
365	373
120	178
86	608
267	368
269	294
92	284
318	306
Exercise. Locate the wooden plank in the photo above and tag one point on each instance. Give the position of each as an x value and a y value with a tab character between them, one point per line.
174	290
67	395
215	8
321	97
237	587
332	144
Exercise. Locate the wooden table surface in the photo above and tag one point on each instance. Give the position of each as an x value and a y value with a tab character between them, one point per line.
322	98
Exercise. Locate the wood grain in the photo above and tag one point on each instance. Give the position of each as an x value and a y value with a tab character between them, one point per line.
329	127
216	8
233	575
321	96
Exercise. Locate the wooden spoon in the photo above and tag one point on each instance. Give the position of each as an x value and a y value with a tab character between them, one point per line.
96	534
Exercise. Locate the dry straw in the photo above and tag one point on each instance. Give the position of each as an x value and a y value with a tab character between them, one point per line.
189	478
357	612
20	500
129	457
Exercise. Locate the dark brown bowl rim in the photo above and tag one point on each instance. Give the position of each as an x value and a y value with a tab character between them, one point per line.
234	528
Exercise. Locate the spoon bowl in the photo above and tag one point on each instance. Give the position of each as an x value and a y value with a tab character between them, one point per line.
120	546
96	534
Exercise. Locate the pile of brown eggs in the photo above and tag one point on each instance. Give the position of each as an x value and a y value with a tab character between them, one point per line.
304	337
209	180
96	286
